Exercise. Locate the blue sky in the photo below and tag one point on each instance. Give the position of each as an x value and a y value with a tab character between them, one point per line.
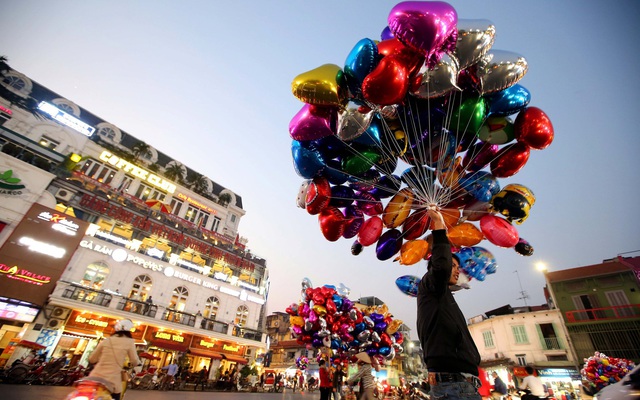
209	83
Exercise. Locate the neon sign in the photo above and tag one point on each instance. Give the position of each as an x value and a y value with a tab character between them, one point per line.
138	172
169	336
196	203
90	321
66	119
42	247
5	110
60	223
24	275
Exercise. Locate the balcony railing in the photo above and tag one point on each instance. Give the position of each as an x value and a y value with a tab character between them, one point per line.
552	343
604	313
91	296
214	326
179	317
137	307
247	333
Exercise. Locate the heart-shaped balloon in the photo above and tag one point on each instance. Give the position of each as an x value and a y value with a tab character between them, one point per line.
415	225
475	38
428	27
318	195
497	130
359	63
413	251
389	244
353	121
388	83
307	162
355	219
436	81
323	86
465	234
510	159
500	69
534	128
368	204
332	223
313	122
341	196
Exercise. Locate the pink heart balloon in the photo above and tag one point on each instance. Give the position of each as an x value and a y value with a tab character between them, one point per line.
313	122
426	26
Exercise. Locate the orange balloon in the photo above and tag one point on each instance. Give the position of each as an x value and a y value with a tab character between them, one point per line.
398	209
296	320
465	234
413	251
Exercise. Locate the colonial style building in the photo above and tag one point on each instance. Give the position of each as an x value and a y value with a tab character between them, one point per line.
96	225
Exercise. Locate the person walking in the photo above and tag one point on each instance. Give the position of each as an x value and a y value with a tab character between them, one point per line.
499	387
326	384
172	370
338	379
110	357
203	377
449	352
364	375
533	384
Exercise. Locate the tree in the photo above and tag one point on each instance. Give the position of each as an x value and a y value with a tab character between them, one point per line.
198	182
140	149
224	199
174	172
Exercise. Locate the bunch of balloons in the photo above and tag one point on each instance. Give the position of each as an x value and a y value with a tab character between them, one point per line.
429	115
600	370
326	319
302	363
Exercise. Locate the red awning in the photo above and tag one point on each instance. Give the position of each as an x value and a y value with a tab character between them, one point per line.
238	359
31	345
205	353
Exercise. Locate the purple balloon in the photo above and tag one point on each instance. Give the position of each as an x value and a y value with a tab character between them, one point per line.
428	27
479	156
356	217
341	196
389	244
369	204
386	34
313	122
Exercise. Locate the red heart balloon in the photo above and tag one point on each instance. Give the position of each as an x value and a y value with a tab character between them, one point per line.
385	340
388	83
332	223
510	159
415	225
370	231
318	195
533	128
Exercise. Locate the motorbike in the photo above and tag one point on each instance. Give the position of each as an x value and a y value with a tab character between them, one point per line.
91	388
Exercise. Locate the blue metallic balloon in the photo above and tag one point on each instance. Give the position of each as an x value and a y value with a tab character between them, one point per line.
362	59
476	262
387	186
333	173
386	34
371	137
508	101
307	162
481	185
408	284
389	244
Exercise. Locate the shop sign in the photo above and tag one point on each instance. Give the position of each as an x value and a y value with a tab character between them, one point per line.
60	223
85	322
169	336
196	203
66	119
10	185
203	342
17	311
24	275
206	344
6	111
126	166
557	372
91	322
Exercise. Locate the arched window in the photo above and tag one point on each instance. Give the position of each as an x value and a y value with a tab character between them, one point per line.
107	133
141	288
211	307
242	315
95	274
179	298
15	82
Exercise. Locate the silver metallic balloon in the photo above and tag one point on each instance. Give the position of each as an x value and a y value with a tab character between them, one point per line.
438	80
500	69
306	282
353	120
475	38
343	290
375	336
364	335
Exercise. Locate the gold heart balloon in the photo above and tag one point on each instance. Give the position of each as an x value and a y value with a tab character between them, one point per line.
323	86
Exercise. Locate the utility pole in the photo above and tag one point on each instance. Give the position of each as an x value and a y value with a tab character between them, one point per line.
523	294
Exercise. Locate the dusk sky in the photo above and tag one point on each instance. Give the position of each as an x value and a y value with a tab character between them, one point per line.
209	84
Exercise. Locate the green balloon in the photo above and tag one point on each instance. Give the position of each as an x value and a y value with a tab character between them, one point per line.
470	116
358	164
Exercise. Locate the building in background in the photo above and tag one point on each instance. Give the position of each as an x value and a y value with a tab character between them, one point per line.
509	339
600	305
142	236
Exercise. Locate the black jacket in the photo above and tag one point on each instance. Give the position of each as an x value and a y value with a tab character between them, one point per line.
442	329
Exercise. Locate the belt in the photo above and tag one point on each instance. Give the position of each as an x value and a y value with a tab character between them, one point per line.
441	377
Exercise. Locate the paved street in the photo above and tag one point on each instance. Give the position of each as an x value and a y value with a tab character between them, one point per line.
26	392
